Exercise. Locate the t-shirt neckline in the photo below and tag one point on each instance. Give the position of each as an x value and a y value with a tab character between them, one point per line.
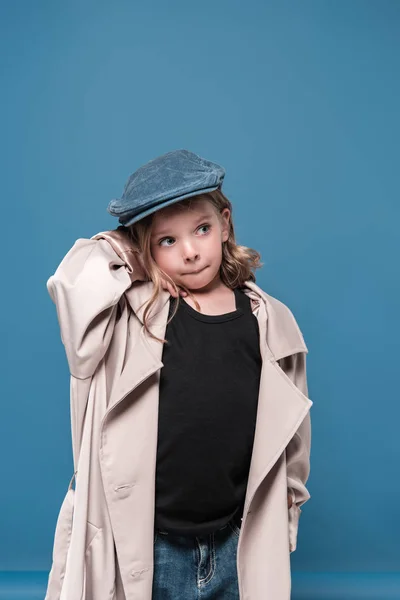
238	312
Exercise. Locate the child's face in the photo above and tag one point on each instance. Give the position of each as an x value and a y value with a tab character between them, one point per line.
189	240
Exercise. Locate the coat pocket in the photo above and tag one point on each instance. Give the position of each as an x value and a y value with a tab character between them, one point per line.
62	538
294	515
99	570
91	532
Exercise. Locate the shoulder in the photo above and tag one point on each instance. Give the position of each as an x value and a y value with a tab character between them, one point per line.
284	336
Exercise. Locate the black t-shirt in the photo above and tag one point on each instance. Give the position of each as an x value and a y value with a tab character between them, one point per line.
209	387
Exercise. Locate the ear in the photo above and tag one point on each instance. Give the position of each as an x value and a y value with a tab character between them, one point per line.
225	225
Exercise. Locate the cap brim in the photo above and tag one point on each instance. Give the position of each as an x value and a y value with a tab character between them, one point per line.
129	221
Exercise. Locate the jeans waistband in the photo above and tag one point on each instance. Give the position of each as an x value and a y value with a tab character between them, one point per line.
235	520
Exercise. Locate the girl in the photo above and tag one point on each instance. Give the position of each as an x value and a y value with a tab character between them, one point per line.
190	410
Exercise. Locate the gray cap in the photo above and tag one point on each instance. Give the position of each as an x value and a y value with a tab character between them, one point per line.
163	181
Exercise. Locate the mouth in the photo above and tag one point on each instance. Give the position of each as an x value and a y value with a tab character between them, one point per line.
195	272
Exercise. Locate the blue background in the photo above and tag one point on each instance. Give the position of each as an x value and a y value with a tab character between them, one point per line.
299	101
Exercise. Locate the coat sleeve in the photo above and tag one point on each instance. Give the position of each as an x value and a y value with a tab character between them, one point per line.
299	448
86	288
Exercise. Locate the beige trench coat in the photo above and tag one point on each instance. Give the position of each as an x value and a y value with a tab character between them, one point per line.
103	542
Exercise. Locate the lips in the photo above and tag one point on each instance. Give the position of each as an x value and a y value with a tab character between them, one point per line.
195	272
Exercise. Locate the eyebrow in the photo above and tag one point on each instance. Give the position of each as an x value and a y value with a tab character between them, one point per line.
200	218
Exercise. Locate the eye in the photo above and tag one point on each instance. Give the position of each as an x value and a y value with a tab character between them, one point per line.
160	243
205	225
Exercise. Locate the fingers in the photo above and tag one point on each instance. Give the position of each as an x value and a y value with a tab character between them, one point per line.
170	288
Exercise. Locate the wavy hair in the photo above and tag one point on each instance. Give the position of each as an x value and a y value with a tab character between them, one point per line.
237	265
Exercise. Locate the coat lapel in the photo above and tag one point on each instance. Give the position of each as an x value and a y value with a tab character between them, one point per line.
281	409
281	405
146	359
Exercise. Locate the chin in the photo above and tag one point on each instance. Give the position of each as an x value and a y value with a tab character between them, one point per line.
198	282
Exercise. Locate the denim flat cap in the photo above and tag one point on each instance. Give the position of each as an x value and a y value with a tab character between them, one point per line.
163	181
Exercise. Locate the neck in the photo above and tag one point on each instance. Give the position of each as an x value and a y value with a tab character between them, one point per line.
215	285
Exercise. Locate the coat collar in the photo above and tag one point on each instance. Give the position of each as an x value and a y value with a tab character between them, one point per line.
284	336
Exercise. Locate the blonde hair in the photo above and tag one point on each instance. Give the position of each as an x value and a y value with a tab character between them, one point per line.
237	265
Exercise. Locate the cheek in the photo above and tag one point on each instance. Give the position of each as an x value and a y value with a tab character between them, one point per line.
162	259
217	248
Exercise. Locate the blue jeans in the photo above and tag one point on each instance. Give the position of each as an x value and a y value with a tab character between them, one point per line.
196	568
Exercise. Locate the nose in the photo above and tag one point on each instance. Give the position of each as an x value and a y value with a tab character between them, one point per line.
190	253
191	257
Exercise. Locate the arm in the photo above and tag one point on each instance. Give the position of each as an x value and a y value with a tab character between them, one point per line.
86	289
299	448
